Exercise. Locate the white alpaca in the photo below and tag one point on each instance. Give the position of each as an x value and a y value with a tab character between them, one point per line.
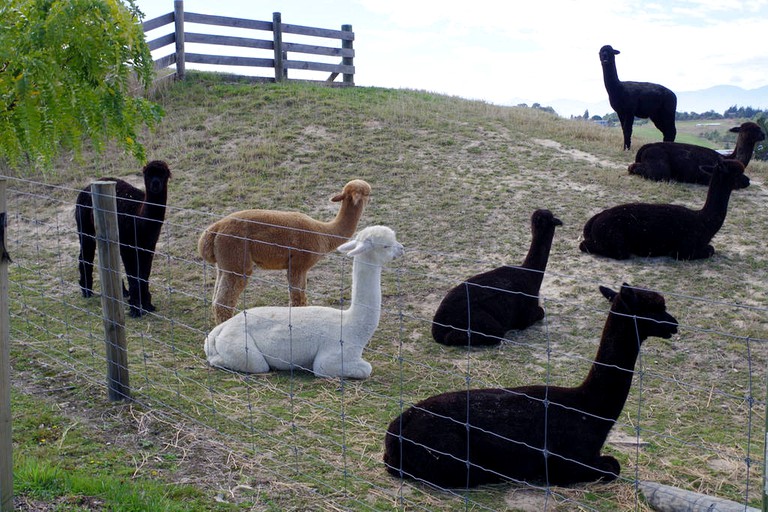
326	340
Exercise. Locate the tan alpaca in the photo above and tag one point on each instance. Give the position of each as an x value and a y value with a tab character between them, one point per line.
275	240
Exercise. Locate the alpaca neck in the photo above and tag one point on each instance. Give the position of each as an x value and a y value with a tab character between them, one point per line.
610	377
716	205
153	206
538	253
346	219
365	307
742	152
610	76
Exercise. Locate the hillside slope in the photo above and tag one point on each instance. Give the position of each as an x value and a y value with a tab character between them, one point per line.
458	181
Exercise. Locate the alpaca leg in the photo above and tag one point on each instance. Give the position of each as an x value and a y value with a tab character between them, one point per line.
658	170
696	253
233	351
626	128
85	263
602	467
145	257
297	282
229	286
485	330
330	365
615	250
130	262
429	448
655	166
666	126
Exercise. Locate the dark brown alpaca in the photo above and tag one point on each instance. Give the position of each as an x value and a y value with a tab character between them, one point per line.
505	298
688	163
637	99
663	229
140	217
547	434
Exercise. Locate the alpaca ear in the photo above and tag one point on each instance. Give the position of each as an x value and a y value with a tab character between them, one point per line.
338	197
735	129
361	248
347	246
608	293
627	293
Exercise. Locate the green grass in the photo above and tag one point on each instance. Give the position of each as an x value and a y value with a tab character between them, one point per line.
458	181
59	463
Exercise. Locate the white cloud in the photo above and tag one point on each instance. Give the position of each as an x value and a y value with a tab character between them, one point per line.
541	50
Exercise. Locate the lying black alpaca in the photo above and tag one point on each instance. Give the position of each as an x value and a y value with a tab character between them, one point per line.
677	161
499	300
140	217
663	229
545	434
637	99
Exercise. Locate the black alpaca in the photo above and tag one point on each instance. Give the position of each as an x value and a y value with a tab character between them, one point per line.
688	163
140	217
499	300
663	229
637	99
547	434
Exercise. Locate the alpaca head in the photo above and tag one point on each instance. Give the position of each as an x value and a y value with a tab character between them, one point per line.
608	54
156	176
377	244
731	171
749	133
354	191
542	220
646	306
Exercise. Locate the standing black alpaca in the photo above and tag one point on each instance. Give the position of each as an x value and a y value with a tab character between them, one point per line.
664	229
546	434
688	163
494	302
638	99
140	217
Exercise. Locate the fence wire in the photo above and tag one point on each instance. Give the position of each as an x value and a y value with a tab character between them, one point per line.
694	417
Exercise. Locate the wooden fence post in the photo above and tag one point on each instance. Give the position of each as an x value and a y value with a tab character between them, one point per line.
113	313
178	18
277	32
6	443
348	78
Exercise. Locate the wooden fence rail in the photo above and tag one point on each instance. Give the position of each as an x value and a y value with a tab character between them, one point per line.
280	49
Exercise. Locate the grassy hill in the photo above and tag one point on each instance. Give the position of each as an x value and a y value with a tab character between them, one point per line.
458	181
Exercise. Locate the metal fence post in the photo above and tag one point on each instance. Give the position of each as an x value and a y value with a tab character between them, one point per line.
113	313
6	441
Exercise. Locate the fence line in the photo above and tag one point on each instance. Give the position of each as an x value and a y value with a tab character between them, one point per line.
6	439
279	48
319	434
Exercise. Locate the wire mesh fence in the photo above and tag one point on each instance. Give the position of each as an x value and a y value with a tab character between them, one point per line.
694	417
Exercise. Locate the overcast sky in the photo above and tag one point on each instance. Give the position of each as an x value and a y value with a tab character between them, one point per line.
507	52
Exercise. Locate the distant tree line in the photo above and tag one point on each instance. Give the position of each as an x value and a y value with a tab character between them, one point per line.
733	112
720	137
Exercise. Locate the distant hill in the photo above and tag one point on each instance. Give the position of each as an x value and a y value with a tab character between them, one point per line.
718	98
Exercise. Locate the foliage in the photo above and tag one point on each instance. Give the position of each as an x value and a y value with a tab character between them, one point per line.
741	112
761	149
67	68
